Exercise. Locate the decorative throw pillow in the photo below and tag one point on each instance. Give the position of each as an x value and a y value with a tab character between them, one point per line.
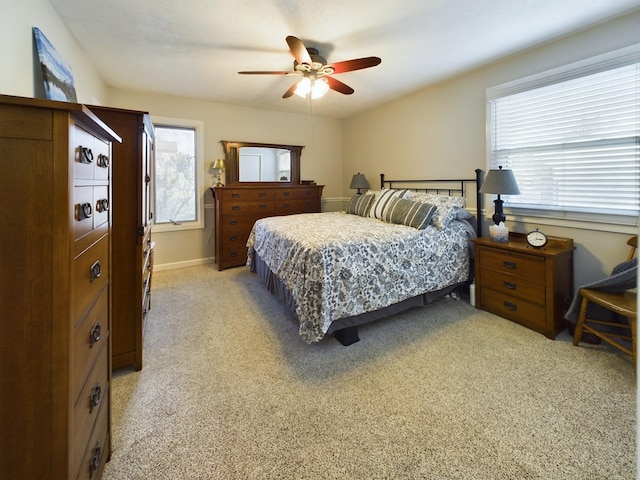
383	197
407	212
360	205
448	207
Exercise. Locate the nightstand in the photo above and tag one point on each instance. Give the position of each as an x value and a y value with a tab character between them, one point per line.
530	286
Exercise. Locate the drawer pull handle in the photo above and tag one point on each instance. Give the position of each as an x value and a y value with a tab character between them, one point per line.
510	265
103	161
95	271
234	254
102	205
511	306
262	194
286	194
233	239
262	206
509	285
84	211
86	155
235	195
286	205
94	400
235	207
94	335
94	462
233	222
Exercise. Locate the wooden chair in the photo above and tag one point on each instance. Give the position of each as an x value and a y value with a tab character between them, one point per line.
624	303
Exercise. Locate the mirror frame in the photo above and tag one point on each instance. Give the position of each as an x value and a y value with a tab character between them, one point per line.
232	161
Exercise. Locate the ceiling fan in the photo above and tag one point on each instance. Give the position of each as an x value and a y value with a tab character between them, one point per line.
316	72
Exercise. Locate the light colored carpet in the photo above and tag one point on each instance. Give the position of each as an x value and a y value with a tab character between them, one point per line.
229	391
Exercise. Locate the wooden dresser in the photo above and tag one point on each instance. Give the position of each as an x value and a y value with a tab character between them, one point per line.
55	369
239	206
531	286
130	232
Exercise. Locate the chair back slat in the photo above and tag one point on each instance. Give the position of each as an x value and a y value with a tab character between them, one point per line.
633	243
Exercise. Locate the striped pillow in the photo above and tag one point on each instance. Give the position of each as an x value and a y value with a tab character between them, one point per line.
383	197
360	205
409	213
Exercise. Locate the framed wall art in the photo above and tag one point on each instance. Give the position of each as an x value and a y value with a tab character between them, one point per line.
56	72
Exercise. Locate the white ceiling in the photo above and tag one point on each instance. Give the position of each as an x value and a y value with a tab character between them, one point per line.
195	48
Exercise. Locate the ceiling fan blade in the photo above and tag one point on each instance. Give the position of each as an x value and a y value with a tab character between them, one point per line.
338	86
356	64
289	92
298	50
258	72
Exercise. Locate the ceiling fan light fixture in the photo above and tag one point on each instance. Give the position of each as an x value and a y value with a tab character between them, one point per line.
304	87
315	87
319	87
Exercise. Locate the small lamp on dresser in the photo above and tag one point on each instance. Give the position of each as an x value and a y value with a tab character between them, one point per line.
359	181
216	169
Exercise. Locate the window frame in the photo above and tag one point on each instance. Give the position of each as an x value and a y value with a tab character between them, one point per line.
557	217
198	126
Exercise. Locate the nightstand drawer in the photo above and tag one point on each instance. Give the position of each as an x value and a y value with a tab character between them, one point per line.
531	267
513	285
516	309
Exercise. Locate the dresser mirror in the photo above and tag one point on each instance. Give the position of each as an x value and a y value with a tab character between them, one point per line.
249	162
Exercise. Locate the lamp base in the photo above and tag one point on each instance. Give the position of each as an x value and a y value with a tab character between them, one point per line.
498	215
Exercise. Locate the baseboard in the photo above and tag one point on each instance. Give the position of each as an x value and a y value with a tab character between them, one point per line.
186	263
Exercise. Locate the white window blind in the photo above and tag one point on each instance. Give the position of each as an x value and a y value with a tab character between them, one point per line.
571	137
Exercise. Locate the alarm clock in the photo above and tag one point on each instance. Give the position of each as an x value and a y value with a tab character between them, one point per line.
537	239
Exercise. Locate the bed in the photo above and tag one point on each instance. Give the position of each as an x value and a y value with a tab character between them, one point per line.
392	249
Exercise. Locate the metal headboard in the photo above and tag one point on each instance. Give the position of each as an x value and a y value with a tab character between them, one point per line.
452	187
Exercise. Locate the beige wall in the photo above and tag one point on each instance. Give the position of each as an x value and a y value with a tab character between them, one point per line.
439	132
17	51
321	157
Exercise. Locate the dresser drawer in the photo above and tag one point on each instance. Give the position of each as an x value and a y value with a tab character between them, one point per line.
235	254
262	208
236	238
526	313
230	195
528	288
89	337
295	194
296	206
90	275
239	223
97	449
92	156
512	263
94	395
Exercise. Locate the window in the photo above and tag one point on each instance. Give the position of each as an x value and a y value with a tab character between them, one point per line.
571	137
178	174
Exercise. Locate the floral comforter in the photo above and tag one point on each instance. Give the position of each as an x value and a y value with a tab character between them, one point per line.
338	265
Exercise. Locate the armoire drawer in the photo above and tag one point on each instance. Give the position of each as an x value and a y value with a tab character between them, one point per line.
95	455
95	394
91	209
91	156
90	275
89	336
